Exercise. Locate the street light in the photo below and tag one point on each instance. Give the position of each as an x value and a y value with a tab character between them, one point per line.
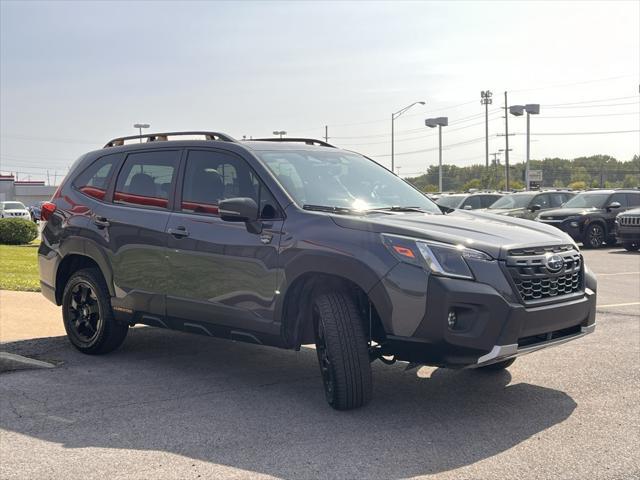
393	117
140	126
433	123
518	111
280	133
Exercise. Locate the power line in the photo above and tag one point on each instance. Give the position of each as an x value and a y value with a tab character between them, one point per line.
582	133
591	101
584	82
592	106
590	115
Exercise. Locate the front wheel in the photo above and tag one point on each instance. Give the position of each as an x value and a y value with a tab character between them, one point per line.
342	351
594	236
87	315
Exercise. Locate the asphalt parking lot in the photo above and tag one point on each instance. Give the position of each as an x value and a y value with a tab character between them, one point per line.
171	405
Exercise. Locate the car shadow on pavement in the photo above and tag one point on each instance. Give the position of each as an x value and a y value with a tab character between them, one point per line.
263	410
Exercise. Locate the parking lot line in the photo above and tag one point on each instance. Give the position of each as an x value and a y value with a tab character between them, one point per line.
621	273
619	304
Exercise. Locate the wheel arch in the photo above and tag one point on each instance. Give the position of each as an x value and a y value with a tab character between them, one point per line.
297	326
70	264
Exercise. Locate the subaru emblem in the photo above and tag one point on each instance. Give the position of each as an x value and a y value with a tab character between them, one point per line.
555	263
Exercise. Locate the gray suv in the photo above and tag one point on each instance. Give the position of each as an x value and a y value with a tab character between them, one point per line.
529	204
294	242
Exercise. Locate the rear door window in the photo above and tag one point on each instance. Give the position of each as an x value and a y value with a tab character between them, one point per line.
147	178
473	202
633	199
557	199
488	200
94	180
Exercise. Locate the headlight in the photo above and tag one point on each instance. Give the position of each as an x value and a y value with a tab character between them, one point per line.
440	258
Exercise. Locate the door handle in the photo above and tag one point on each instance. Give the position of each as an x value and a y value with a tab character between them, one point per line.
179	232
101	222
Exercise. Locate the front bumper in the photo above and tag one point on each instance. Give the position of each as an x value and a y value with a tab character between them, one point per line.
493	325
626	234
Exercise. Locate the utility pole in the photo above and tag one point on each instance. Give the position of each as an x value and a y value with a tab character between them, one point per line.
485	99
506	140
326	133
48	182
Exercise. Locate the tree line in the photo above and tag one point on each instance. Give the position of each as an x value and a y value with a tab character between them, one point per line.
596	171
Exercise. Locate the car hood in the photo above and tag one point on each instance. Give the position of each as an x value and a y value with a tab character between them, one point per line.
15	210
505	211
489	233
633	211
569	212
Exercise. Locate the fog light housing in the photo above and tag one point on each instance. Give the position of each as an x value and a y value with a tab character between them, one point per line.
452	319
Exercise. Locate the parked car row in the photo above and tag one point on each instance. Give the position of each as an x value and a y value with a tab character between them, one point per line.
588	217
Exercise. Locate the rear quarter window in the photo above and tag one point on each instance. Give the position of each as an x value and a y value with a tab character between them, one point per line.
94	180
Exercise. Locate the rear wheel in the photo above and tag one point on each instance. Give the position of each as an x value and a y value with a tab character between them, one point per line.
594	236
342	351
498	366
631	246
87	315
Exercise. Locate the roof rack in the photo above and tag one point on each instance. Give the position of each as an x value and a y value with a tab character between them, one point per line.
163	137
308	141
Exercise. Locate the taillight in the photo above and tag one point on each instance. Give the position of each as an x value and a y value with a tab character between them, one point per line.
47	210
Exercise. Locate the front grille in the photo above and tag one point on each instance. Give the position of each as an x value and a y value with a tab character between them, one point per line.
518	252
629	221
534	281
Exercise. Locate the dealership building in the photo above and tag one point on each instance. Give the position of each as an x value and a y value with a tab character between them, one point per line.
27	192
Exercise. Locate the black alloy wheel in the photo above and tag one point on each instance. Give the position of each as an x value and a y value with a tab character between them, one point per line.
594	236
84	313
88	316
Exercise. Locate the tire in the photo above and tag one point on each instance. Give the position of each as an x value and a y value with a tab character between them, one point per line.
631	246
594	236
498	366
87	314
342	350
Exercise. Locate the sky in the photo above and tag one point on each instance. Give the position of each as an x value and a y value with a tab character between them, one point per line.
73	75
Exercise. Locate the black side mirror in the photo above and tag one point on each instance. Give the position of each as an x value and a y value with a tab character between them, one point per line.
535	207
613	205
241	209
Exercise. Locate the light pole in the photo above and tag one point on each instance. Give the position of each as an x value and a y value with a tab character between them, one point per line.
518	110
393	117
438	122
485	99
140	126
280	133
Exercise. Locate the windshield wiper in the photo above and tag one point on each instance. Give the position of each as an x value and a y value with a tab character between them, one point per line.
326	208
396	208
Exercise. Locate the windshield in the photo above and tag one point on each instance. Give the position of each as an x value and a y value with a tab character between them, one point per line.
13	206
343	180
451	201
513	201
587	200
